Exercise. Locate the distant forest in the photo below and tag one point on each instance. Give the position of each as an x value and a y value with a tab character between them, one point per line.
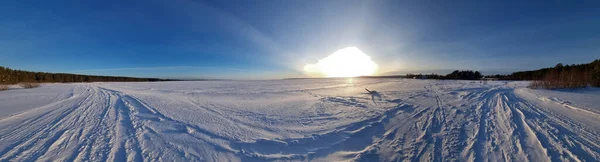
457	75
560	76
10	76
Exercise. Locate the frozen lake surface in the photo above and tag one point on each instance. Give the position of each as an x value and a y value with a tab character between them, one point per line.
299	120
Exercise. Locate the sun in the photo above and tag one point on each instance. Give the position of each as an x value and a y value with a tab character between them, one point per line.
346	62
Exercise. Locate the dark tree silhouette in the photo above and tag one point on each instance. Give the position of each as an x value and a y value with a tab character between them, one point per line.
560	76
10	76
464	75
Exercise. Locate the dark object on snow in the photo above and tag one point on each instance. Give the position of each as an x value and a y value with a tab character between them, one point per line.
373	95
370	91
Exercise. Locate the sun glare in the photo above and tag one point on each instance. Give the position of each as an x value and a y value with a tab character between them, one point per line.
346	62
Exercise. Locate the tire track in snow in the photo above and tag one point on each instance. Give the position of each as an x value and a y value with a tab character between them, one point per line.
354	137
55	122
529	142
498	119
126	145
95	130
140	122
564	139
431	138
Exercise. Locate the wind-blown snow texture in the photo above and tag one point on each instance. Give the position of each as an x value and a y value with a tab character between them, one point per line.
299	120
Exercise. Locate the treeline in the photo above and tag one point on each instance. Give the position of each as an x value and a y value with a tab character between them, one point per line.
457	75
425	76
464	75
560	76
10	76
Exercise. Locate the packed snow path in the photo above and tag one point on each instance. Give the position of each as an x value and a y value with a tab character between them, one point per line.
299	120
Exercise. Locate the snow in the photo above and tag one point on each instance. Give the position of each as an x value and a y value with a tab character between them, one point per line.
299	120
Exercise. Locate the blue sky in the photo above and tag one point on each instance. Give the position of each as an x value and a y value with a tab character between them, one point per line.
275	39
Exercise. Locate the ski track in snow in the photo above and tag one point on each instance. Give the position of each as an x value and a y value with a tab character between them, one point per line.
299	120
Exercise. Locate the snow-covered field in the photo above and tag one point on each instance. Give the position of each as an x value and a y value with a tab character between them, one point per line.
299	120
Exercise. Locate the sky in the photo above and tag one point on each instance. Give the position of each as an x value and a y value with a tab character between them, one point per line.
193	39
